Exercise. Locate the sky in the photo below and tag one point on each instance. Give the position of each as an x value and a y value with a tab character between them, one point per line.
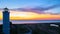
28	3
31	4
48	6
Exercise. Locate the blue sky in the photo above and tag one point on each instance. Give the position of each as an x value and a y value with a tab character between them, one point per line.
30	4
27	3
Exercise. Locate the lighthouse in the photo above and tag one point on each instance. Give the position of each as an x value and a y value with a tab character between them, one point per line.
6	24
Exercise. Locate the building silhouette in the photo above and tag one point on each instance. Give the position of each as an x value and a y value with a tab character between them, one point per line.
6	21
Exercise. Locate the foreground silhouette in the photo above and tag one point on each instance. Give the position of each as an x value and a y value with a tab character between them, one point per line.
42	28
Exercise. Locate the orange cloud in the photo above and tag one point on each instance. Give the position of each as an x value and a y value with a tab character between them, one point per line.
20	15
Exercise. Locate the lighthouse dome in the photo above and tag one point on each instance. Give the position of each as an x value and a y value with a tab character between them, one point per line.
6	9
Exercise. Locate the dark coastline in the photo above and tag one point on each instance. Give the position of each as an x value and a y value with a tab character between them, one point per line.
37	28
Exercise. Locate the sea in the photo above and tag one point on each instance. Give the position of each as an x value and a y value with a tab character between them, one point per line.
31	21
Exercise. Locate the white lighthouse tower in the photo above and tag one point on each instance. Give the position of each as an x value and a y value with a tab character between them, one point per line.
6	24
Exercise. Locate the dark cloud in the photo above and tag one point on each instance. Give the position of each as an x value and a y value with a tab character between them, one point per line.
47	8
38	9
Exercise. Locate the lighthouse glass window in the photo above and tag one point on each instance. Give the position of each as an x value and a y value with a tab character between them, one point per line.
30	16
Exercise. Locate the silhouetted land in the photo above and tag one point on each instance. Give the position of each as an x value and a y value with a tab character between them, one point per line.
38	28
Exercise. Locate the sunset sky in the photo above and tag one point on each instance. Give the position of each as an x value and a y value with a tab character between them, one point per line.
33	9
16	15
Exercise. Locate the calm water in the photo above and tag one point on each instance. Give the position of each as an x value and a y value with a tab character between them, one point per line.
32	21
